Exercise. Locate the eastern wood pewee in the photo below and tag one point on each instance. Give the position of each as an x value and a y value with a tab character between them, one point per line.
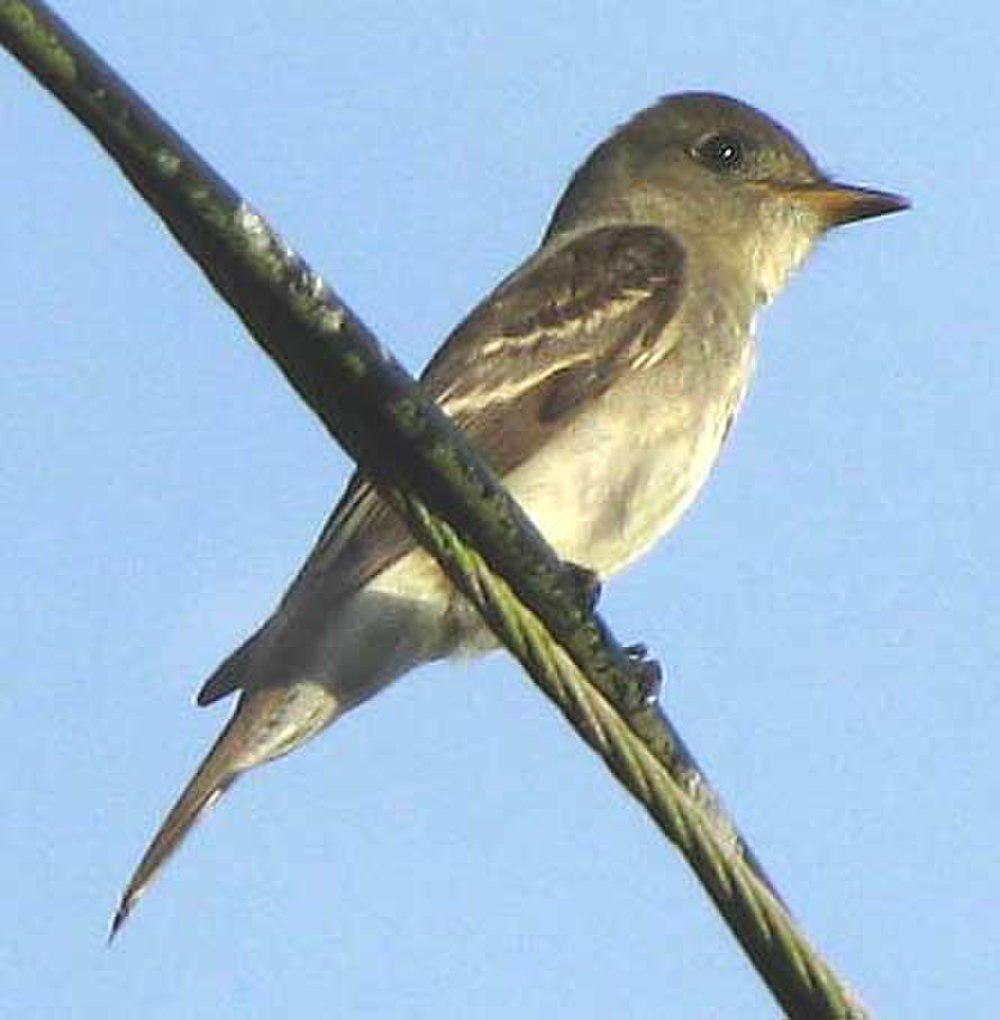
599	379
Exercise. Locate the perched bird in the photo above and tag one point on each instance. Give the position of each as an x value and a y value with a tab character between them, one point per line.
599	379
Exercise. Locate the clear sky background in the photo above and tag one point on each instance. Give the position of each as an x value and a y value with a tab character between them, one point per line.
827	614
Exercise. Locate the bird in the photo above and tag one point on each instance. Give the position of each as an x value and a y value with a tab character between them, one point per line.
599	380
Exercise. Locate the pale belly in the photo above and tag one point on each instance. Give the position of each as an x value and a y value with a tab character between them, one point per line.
606	492
602	493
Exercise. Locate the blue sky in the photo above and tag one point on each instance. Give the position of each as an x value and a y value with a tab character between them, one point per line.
826	614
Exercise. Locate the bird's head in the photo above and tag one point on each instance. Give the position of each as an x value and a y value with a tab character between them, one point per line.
725	178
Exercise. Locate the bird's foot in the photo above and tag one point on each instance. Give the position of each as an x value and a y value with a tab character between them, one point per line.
648	672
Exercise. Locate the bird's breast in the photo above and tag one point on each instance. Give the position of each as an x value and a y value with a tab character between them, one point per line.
625	470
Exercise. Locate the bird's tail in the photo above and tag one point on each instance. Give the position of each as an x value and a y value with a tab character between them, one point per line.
268	722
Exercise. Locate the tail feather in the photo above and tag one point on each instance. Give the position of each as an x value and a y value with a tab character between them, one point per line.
215	775
268	722
230	674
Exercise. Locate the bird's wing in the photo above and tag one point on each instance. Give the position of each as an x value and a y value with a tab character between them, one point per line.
551	338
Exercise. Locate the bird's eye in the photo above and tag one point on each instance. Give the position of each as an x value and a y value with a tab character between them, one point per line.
720	152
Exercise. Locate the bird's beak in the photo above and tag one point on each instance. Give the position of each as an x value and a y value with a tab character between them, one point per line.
836	204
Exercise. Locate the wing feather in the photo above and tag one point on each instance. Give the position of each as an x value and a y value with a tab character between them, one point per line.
552	337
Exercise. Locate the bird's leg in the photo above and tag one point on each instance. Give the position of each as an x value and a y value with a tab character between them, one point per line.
584	584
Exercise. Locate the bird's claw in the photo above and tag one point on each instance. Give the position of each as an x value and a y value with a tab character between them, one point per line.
648	673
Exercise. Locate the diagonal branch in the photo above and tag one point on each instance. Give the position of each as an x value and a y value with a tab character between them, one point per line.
451	501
